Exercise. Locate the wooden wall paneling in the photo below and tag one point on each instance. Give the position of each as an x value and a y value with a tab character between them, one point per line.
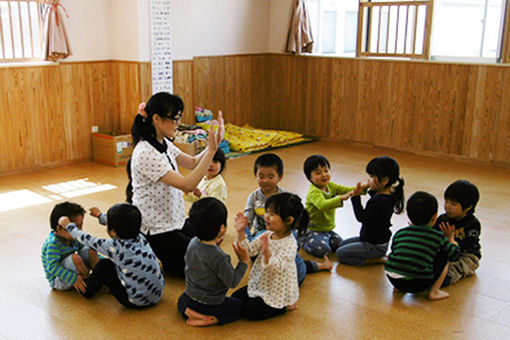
317	95
50	133
492	116
209	84
6	130
237	100
276	74
502	127
76	109
102	99
145	74
183	87
126	85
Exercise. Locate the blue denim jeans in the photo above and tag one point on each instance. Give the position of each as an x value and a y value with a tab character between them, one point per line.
353	251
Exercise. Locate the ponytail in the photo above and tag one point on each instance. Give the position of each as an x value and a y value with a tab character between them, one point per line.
398	196
142	129
304	221
385	166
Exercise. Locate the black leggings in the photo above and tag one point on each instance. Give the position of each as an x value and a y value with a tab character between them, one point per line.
104	273
420	285
170	248
256	308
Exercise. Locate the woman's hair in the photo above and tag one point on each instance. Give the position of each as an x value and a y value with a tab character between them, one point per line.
288	205
206	216
385	166
219	156
163	104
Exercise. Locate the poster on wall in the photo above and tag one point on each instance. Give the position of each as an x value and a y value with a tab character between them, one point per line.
161	47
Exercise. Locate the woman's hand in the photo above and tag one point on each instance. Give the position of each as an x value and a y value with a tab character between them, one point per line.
220	134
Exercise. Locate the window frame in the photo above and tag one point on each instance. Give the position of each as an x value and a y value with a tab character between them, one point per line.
36	36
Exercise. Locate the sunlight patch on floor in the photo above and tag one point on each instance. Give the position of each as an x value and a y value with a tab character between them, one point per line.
25	198
20	199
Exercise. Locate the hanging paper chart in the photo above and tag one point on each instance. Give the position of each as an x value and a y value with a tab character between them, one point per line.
161	47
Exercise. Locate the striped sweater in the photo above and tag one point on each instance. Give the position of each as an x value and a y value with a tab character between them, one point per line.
414	249
54	251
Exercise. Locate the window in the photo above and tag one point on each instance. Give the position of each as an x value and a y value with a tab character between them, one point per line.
334	26
467	28
399	28
454	29
20	30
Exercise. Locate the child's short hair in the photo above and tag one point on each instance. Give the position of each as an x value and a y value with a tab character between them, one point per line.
207	215
464	192
269	160
69	209
125	219
313	162
219	156
421	207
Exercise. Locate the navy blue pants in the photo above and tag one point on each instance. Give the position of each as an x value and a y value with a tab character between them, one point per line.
228	311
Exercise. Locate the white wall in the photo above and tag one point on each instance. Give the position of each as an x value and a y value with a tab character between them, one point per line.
87	28
279	24
119	29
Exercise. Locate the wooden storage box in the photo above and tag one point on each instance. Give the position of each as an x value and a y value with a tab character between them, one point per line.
112	148
189	148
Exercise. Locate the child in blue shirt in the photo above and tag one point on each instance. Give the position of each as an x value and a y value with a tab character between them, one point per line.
66	262
131	271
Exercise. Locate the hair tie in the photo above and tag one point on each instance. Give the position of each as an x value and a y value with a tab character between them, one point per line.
141	110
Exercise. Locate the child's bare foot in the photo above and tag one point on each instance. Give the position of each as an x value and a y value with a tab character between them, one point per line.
326	265
80	266
202	323
378	260
438	295
199	319
292	307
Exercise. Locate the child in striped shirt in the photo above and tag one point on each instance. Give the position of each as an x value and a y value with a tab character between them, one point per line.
419	254
66	262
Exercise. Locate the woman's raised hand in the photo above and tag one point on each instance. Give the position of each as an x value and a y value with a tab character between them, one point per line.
212	140
220	134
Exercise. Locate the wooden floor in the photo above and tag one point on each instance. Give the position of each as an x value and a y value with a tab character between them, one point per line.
348	303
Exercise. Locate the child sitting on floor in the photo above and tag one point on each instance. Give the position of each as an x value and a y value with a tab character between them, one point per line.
209	273
212	185
273	284
131	271
66	262
419	254
461	198
322	199
386	196
268	170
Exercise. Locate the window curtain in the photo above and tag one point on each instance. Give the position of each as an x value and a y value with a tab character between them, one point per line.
56	42
299	38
